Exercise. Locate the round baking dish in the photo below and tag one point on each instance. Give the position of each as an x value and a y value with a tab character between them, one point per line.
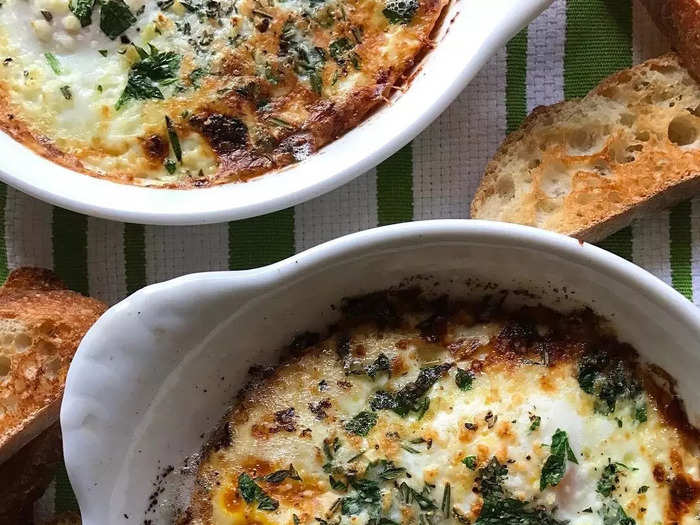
145	385
470	33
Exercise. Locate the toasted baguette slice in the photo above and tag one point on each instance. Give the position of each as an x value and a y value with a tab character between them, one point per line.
26	475
680	21
588	167
41	324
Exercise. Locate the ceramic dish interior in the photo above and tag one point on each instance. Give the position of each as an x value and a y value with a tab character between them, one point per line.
469	34
146	384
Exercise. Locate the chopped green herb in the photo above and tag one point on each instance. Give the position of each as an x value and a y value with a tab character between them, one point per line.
102	52
463	379
316	82
555	466
535	423
446	505
280	475
410	449
619	422
381	364
173	138
196	75
144	75
366	498
251	493
47	15
362	423
115	18
99	88
281	123
66	92
409	398
470	462
640	413
643	489
170	166
613	514
82	9
500	508
337	485
410	496
608	479
53	63
608	378
295	518
400	11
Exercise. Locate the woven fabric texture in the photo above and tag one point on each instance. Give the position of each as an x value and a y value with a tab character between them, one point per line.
562	54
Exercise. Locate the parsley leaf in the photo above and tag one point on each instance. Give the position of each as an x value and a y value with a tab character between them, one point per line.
82	9
463	379
153	68
115	18
613	514
606	483
555	466
280	475
251	493
608	378
535	423
173	138
381	364
409	398
362	423
367	497
470	462
500	508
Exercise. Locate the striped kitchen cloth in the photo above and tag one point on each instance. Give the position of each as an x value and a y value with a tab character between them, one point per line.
562	54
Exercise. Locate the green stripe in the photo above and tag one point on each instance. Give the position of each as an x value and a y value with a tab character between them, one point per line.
395	187
598	43
65	497
261	240
681	249
3	245
70	249
70	263
516	81
134	257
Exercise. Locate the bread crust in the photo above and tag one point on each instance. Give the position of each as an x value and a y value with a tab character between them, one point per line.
680	21
41	325
539	178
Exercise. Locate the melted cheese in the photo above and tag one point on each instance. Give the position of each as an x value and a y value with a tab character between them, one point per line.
265	64
492	419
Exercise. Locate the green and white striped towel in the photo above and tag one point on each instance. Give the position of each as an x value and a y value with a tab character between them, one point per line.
562	54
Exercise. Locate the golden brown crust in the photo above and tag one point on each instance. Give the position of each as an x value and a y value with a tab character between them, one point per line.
573	168
529	336
258	146
680	21
41	325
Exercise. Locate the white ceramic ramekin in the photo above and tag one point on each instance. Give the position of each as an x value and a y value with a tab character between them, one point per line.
157	370
471	33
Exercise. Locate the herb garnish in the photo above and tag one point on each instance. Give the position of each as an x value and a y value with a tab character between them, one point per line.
535	422
555	466
501	509
409	398
115	18
170	166
53	63
609	478
380	364
613	514
145	75
470	462
82	9
609	379
280	475
173	138
464	378
66	92
251	493
362	423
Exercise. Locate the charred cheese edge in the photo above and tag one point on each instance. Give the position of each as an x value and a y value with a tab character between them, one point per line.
189	93
454	413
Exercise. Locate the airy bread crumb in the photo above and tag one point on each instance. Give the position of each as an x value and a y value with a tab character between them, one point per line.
587	167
